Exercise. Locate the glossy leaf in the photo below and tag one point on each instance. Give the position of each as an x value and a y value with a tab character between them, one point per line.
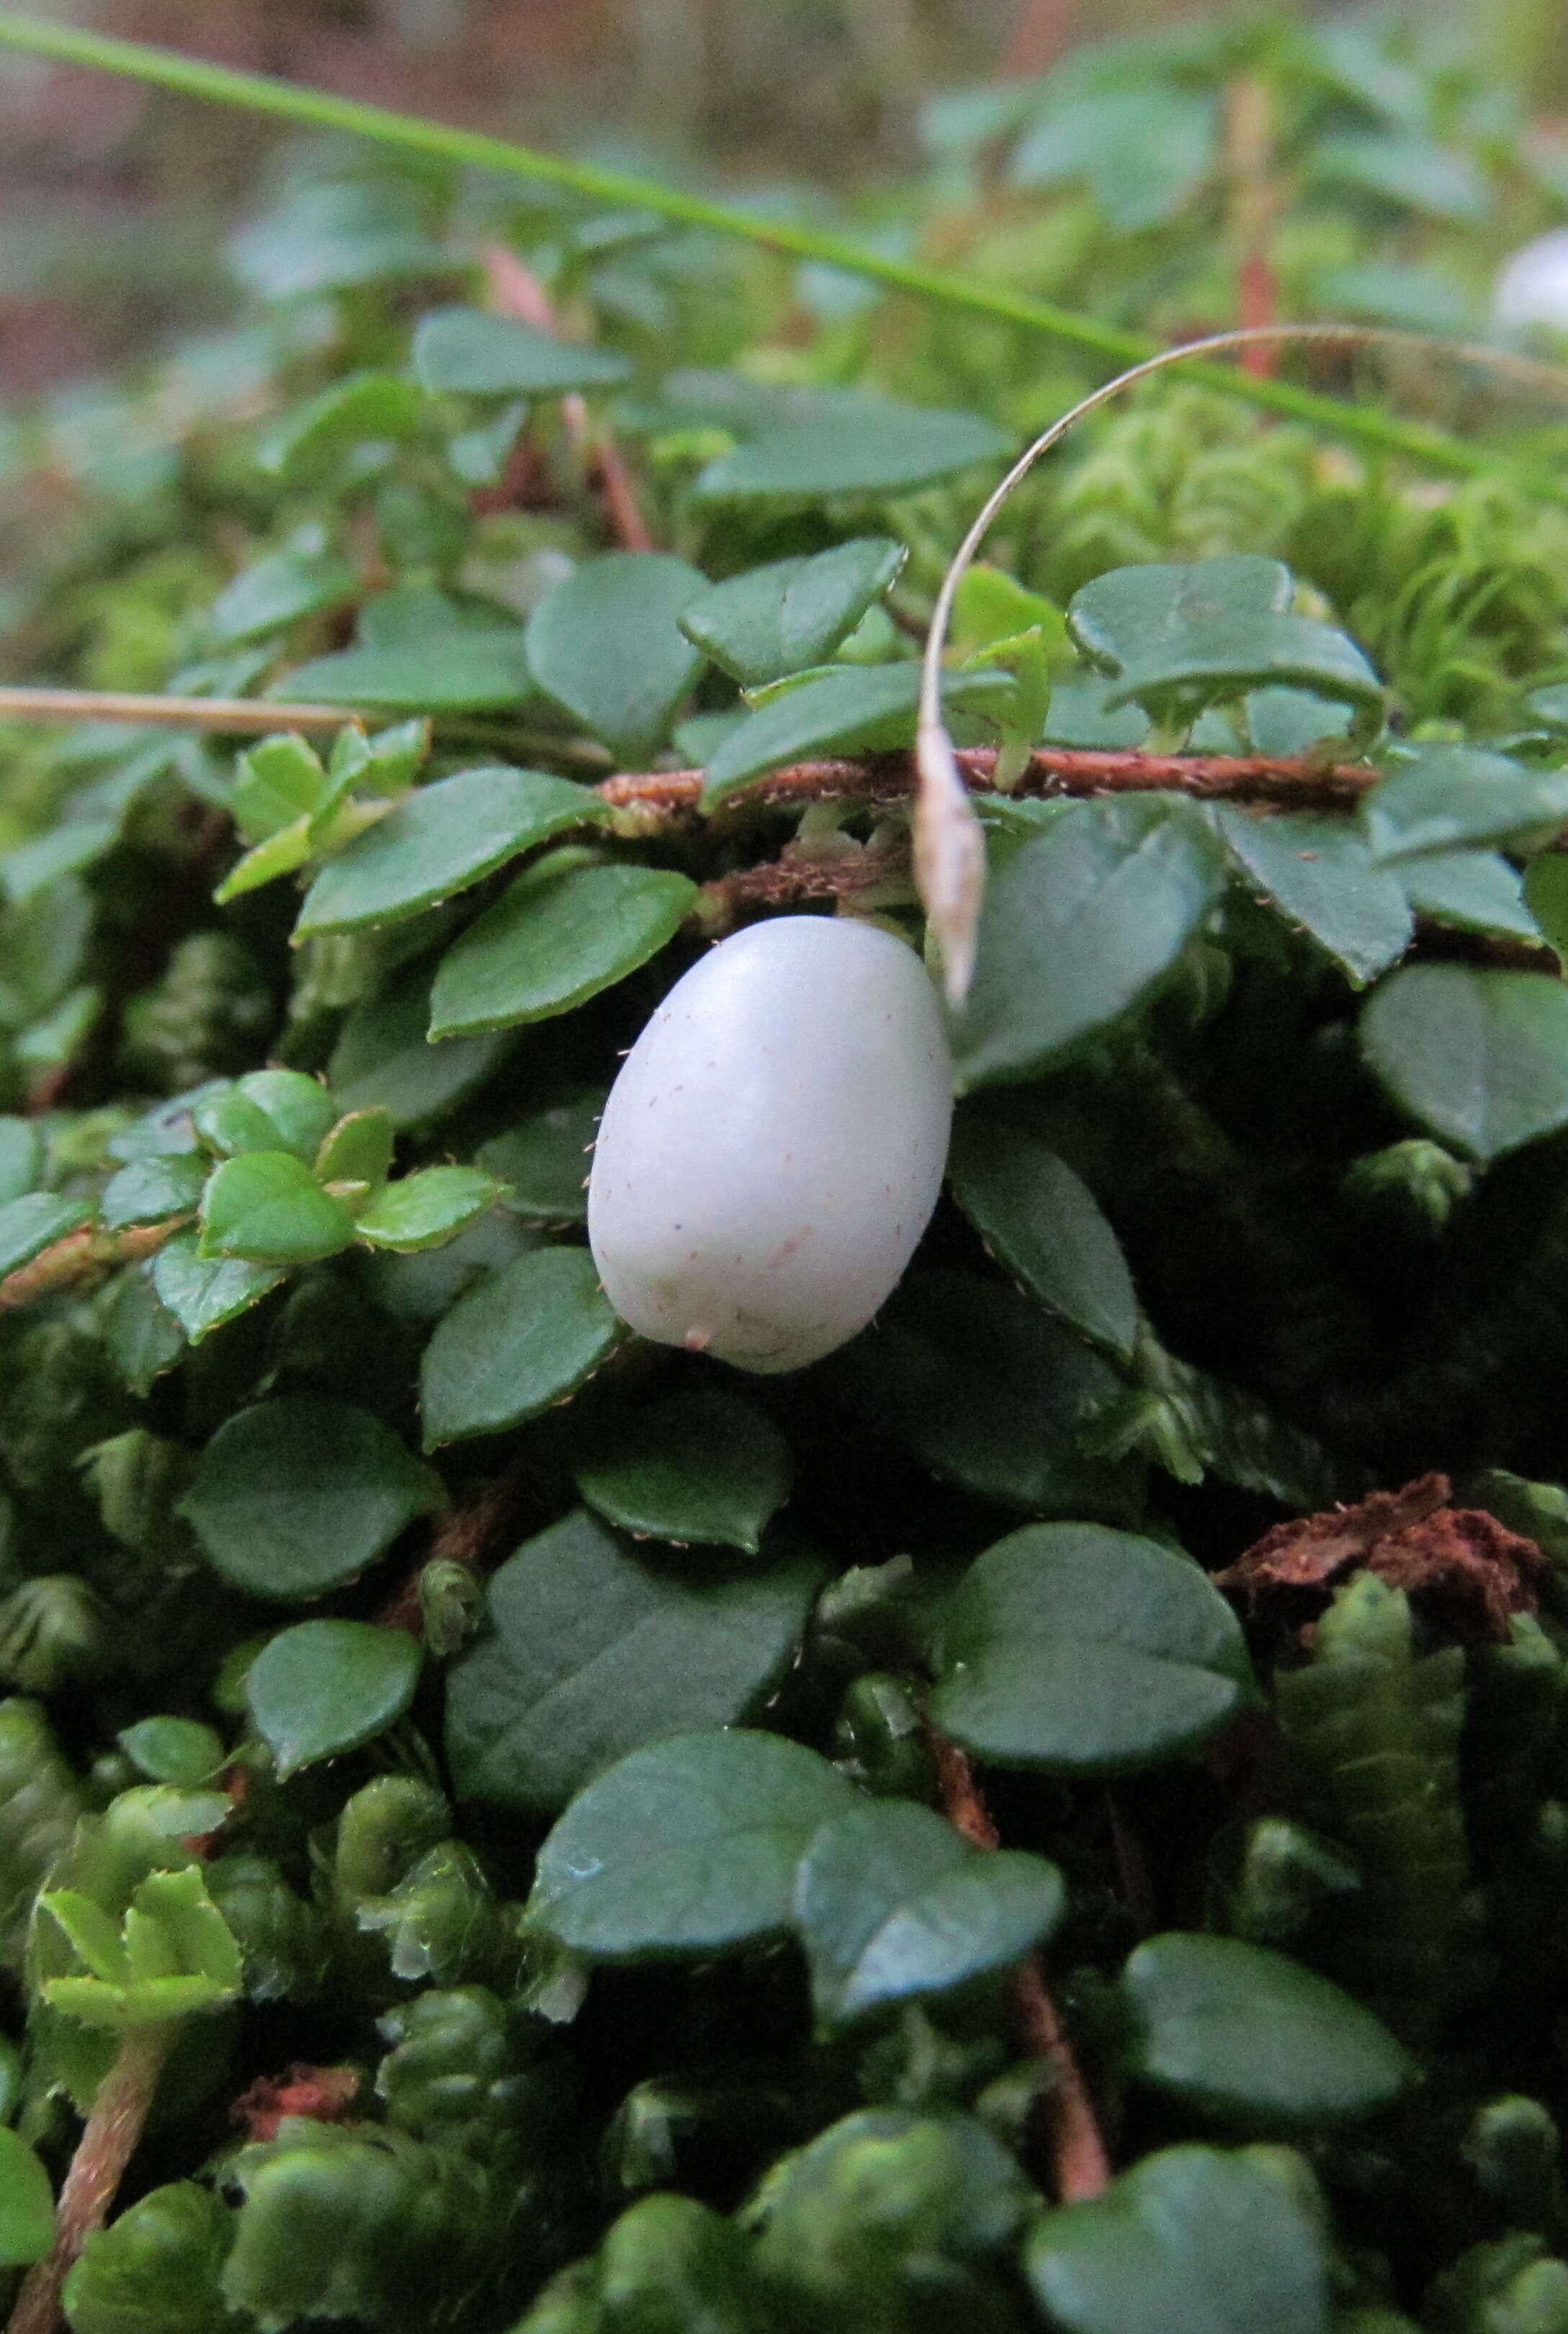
559	933
358	1149
438	841
1077	927
891	1904
296	1495
1472	891
524	1337
1253	2036
277	783
1322	876
178	1751
1042	1223
1082	1650
1480	1056
1184	635
594	1649
686	1846
202	1294
1192	2241
325	1687
793	612
700	1465
843	709
478	355
267	1208
1461	797
423	1210
606	644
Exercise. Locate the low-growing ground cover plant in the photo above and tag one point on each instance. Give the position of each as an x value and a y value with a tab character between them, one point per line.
1049	1809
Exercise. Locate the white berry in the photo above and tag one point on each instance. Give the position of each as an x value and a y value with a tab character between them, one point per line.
1532	287
773	1146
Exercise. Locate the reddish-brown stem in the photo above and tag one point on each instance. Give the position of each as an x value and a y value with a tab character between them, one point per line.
467	1535
109	2141
1253	202
1285	781
516	291
1080	2165
81	1257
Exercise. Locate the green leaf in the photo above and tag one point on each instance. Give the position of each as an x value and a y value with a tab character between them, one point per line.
544	1159
280	855
792	612
202	1294
278	590
1242	2032
557	936
333	234
1041	1221
424	1210
294	1496
178	1751
357	1150
1473	891
27	2203
156	2268
1078	925
229	1124
1086	1651
864	445
193	1936
465	351
700	1465
35	1222
1456	798
1413	173
300	1108
606	644
1481	1058
277	783
474	672
267	1208
891	1904
521	1338
1181	636
21	1158
988	1393
592	1651
1193	2241
366	406
687	1847
843	709
383	1059
1145	151
1322	875
148	1191
438	841
324	1687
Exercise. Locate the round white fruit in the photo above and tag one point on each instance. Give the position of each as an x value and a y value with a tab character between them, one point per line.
773	1146
1532	287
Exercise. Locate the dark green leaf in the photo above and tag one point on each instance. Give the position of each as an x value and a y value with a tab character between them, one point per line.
21	1158
891	1903
479	355
437	842
687	1847
1472	891
383	1059
178	1751
27	2203
988	1393
1038	1218
1086	1651
592	1651
424	1210
1480	1056
142	1337
793	612
557	936
35	1222
294	1496
267	1208
1187	634
202	1294
846	708
1243	2033
869	446
149	1189
523	1339
1193	2241
279	590
1321	875
1456	798
451	672
1077	927
607	644
544	1159
324	1687
701	1465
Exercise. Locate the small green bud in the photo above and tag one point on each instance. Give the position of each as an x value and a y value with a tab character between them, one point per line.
1412	1187
451	1604
671	2264
1285	1877
880	1741
137	1480
1512	2147
54	1632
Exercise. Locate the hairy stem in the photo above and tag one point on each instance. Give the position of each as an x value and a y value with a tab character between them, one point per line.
1080	2165
81	1257
283	101
109	2141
